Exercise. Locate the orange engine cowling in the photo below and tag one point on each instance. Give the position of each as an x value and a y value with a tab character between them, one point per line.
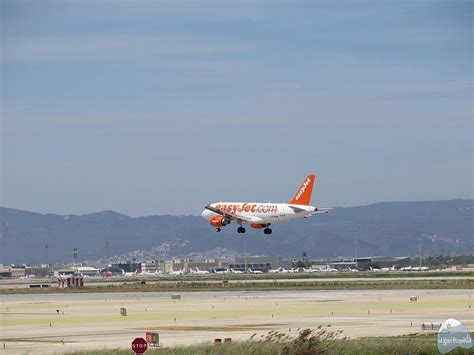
257	226
218	221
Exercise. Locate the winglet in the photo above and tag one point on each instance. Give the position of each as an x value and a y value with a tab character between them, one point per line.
303	195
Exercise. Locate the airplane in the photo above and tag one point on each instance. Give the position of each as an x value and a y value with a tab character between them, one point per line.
309	270
177	272
128	274
250	271
280	270
236	271
353	270
263	215
328	269
375	269
221	272
199	272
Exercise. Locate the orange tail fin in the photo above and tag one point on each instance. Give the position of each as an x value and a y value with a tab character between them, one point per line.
303	195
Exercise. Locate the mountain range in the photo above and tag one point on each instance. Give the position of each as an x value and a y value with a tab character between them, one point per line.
386	228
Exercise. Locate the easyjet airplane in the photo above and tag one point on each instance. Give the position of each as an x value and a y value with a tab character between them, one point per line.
263	215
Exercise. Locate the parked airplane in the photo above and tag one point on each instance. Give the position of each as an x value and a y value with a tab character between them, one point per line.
128	274
177	272
353	270
233	271
199	272
280	270
250	271
221	271
263	215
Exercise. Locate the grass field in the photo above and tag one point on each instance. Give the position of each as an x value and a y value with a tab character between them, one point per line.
257	285
308	342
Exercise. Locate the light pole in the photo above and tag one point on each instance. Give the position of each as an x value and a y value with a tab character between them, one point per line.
46	253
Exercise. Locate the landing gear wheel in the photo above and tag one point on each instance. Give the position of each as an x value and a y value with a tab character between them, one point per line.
267	231
218	229
241	230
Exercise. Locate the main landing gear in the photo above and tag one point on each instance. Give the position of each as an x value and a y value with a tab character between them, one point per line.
241	230
267	231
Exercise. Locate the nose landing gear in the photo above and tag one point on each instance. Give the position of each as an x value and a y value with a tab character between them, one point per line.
218	229
267	231
241	230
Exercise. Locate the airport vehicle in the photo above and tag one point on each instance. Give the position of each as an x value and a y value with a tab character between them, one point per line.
263	215
150	274
415	268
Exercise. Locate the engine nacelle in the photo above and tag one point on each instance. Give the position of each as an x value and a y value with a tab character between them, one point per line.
218	221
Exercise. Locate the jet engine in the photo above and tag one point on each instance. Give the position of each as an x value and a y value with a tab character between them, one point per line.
218	221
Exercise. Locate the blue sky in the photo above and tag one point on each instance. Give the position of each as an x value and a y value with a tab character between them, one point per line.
157	107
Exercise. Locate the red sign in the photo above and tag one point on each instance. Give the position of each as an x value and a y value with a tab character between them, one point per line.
139	345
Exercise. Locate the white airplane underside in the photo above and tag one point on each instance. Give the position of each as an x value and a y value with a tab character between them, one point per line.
263	215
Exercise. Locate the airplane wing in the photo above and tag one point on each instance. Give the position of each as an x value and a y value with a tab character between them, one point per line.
323	210
319	211
234	216
297	209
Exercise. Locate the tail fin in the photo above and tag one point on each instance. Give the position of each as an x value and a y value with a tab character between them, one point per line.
303	195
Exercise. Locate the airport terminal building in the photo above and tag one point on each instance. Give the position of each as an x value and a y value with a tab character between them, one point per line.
363	263
260	263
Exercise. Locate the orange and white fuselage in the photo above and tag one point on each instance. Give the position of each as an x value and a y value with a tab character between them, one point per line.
262	215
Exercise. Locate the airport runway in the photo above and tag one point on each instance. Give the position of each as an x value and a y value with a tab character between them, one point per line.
31	323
